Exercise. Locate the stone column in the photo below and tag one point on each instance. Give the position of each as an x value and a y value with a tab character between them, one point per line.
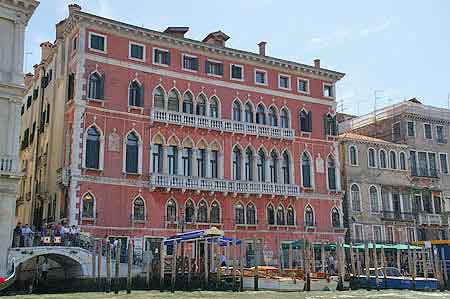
208	173
7	220
194	162
255	168
165	167
220	165
267	170
180	170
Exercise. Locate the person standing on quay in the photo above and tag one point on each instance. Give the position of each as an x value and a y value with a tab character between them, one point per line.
17	235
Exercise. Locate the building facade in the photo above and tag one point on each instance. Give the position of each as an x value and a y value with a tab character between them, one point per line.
154	133
14	16
424	130
377	203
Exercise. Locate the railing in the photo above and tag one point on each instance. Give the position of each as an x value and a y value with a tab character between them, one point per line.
62	176
394	215
8	163
430	219
227	125
220	185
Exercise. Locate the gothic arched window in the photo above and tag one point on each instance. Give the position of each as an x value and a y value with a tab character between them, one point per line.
132	153
138	209
92	148
88	206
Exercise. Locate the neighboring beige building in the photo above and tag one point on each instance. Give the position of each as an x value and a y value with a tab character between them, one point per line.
14	16
425	130
377	204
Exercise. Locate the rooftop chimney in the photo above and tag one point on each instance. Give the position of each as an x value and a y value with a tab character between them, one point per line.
46	50
317	63
262	48
177	31
217	38
73	8
60	29
28	80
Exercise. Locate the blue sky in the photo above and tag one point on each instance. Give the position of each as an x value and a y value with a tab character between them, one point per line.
399	48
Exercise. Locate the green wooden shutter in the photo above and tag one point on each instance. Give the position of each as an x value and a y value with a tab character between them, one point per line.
325	124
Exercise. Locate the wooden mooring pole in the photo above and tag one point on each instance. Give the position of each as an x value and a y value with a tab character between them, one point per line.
117	268
241	267
130	264
233	251
173	279
161	265
367	262
256	273
108	266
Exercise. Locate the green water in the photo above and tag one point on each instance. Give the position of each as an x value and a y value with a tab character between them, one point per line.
249	295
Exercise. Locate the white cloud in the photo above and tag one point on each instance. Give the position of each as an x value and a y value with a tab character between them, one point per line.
375	29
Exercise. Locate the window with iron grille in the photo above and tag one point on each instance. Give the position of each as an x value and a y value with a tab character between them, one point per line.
190	63
214	68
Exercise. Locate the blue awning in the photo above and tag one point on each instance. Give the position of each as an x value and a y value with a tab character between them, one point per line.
212	234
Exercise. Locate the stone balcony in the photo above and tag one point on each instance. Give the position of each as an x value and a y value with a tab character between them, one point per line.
223	125
9	165
430	219
221	185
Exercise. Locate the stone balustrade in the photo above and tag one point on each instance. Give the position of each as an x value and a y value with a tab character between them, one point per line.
430	219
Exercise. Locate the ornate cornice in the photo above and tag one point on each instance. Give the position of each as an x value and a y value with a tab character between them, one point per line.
24	8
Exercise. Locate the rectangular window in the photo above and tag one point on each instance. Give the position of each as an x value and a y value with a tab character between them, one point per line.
303	85
161	57
172	156
137	51
427	131
190	63
214	67
411	234
97	42
423	164
284	81
201	165
390	234
29	102
443	163
377	233
187	161
214	160
70	86
440	136
237	72
432	164
359	236
328	91
396	131
411	129
74	43
157	156
413	161
260	77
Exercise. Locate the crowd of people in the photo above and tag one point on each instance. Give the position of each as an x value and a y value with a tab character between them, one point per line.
58	234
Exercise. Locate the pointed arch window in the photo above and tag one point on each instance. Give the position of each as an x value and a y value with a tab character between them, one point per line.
251	214
248	113
88	206
187	161
158	98
280	215
374	200
136	94
335	218
171	211
189	211
261	166
201	105
309	216
331	173
96	86
157	158
273	119
305	121
286	168
214	163
237	158
393	160
93	148
138	209
402	161
215	212
201	163
261	115
172	159
273	166
214	108
239	213
236	111
248	165
173	102
270	215
132	153
202	216
372	158
290	216
284	119
306	171
188	105
356	198
331	127
383	162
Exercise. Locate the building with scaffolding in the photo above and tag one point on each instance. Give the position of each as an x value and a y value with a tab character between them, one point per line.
424	130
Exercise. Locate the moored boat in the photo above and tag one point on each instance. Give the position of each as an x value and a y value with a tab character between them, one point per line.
391	278
7	281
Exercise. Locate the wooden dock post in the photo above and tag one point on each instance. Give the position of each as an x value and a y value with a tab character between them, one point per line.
173	279
189	274
99	264
218	268
182	268
117	267
398	256
233	252
108	267
313	258
375	261
414	267
358	263
425	263
94	258
444	266
241	266
290	256
161	265
130	264
322	256
149	272
367	262
206	263
383	264
352	259
256	274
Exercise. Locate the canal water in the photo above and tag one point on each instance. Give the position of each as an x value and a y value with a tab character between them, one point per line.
248	295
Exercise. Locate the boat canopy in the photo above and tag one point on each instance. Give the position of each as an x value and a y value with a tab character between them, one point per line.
298	244
213	235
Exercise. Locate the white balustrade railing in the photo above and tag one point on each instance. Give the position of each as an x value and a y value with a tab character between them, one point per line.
8	163
430	219
220	185
199	121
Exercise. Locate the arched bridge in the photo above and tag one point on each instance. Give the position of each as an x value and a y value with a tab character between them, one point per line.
72	261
